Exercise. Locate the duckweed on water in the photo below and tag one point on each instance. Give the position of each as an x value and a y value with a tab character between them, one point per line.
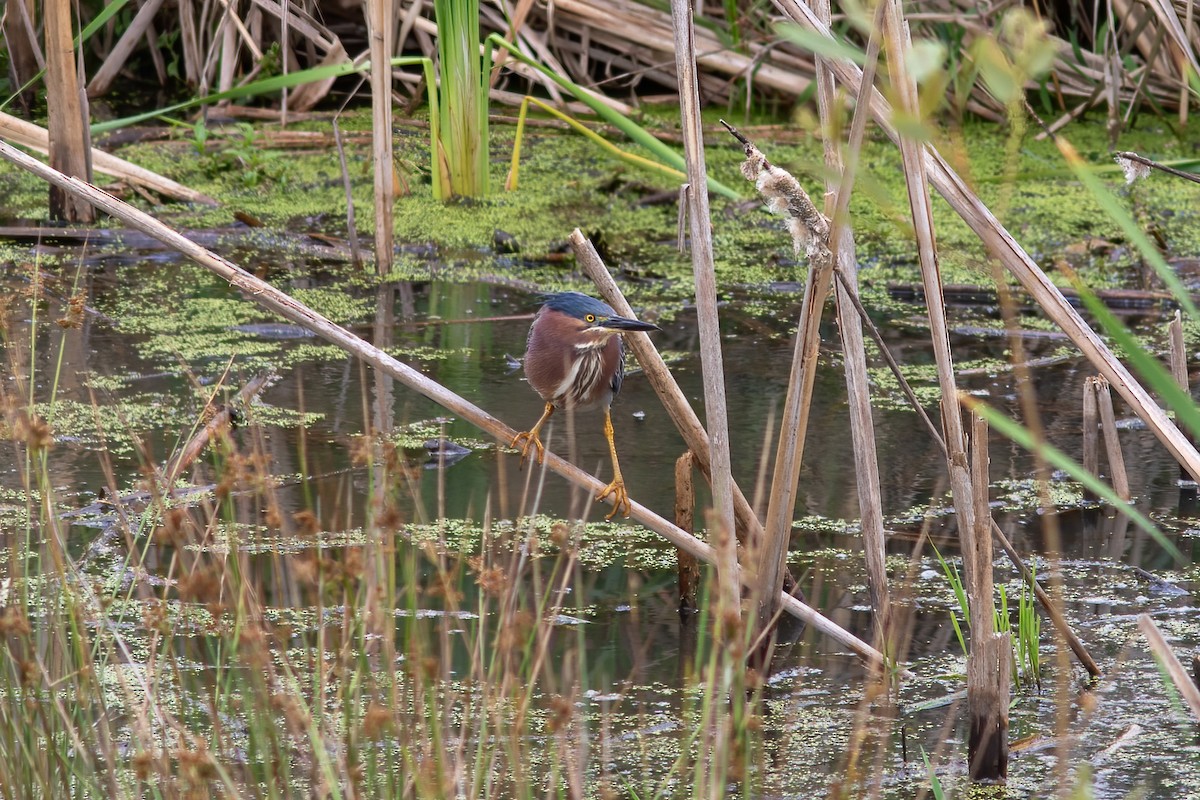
246	538
1026	495
280	417
564	184
819	524
112	426
414	435
596	544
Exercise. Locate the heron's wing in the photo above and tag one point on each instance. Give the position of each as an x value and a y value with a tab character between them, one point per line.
619	376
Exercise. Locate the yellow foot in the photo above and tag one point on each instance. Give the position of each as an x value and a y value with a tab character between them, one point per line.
530	438
620	498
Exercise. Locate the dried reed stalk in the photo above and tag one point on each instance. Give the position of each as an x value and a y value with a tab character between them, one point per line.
1091	429
685	510
380	16
280	303
25	59
1112	443
810	232
916	179
858	391
1144	59
632	39
351	227
651	31
69	141
116	58
1179	369
1178	352
703	269
1158	645
988	670
987	673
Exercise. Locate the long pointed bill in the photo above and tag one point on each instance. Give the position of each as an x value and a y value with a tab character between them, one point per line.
626	324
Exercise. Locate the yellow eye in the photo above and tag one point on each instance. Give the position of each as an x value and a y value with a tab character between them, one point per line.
590	318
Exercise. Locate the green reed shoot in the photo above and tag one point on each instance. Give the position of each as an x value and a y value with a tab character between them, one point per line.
935	785
960	594
463	144
1025	635
1029	632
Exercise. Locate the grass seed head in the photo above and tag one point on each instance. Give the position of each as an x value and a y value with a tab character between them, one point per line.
201	585
492	580
561	711
376	722
73	318
560	534
14	623
175	521
146	764
306	522
34	431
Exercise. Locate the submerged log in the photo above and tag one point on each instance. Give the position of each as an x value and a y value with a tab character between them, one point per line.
963	294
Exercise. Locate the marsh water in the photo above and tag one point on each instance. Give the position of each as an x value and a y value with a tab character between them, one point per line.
159	332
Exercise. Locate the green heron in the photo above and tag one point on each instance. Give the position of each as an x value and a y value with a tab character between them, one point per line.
575	359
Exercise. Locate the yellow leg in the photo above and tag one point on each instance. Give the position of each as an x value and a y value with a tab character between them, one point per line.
530	437
617	487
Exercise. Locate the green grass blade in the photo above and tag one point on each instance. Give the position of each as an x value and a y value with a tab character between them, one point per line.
107	13
955	581
1144	363
824	46
1059	460
613	117
935	785
1117	212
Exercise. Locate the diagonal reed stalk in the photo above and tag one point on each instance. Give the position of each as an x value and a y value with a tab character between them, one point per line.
916	179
